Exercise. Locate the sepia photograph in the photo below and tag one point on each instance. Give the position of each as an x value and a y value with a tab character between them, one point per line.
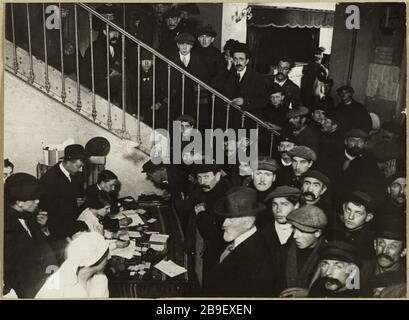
204	150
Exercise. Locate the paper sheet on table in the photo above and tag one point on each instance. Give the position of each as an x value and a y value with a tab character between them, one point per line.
170	268
158	247
152	220
140	211
136	219
134	234
126	253
160	238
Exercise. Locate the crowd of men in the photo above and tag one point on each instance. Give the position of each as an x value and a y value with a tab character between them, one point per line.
323	216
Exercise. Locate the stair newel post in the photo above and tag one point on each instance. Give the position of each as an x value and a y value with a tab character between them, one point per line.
271	143
91	41
15	63
63	93
109	122
46	78
138	96
153	91
227	115
168	97
124	133
31	72
243	117
77	63
198	107
183	93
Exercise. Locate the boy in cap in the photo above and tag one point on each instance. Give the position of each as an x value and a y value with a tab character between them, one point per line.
192	63
27	254
354	114
304	132
355	226
309	223
245	267
338	272
302	159
211	55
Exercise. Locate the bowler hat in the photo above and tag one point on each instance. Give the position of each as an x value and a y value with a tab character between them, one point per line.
317	175
98	146
74	152
339	250
150	167
239	202
206	30
303	152
347	88
240	47
282	192
230	44
361	198
267	163
21	186
171	13
390	226
297	112
185	37
356	133
308	218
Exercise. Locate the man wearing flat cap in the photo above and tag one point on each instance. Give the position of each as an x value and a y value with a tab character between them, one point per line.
286	142
356	169
354	114
276	110
338	272
263	177
245	267
191	62
59	190
27	254
355	223
309	223
302	159
314	187
203	234
304	132
395	202
100	64
244	86
171	27
390	257
212	56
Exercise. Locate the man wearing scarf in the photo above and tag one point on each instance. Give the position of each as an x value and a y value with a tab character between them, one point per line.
309	223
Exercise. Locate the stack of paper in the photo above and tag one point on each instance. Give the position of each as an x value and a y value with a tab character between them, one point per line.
170	268
158	238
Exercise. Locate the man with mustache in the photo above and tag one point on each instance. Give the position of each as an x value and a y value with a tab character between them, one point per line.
338	272
356	169
395	202
301	261
304	132
389	265
302	159
355	223
292	92
203	236
244	86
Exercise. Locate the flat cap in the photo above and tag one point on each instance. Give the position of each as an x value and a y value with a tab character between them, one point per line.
297	111
171	13
206	30
267	163
287	136
361	198
303	152
282	192
185	37
317	175
340	251
356	133
396	175
308	218
186	118
21	186
347	88
386	150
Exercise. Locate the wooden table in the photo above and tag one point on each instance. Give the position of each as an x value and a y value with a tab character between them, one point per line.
154	283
